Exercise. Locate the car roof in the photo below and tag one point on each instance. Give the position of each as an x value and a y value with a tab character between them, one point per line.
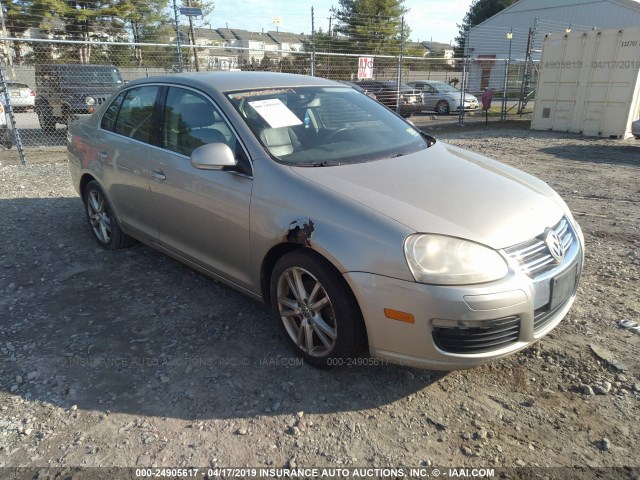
234	81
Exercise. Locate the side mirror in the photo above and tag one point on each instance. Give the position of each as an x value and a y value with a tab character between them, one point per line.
213	156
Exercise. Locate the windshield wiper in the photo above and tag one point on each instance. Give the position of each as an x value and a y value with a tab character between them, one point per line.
315	164
396	155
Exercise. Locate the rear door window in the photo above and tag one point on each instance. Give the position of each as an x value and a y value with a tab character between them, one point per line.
135	117
110	116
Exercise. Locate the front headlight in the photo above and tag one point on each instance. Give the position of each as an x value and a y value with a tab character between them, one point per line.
441	260
90	101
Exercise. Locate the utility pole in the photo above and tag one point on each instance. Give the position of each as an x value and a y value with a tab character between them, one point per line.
329	18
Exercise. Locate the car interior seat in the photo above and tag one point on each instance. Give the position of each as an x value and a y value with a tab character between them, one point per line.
279	141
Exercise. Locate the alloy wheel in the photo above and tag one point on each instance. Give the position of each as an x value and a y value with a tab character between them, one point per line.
99	216
306	311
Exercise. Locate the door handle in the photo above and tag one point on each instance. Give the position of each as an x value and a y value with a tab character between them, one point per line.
102	155
159	175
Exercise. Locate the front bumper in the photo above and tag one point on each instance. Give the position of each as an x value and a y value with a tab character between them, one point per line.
410	108
467	107
457	327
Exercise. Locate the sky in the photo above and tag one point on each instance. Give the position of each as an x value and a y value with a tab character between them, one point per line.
428	19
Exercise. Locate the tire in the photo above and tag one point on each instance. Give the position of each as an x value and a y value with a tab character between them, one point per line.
442	108
316	310
46	120
103	223
7	138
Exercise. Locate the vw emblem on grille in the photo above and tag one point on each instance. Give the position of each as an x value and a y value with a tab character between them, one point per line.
554	244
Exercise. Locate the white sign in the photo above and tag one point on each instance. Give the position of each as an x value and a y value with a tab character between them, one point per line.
365	67
275	113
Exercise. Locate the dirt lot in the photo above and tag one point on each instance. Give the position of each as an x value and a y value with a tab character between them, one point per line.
131	359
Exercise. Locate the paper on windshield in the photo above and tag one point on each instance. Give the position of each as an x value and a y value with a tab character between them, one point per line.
275	113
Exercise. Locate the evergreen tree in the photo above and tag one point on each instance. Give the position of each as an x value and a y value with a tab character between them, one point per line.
372	26
479	11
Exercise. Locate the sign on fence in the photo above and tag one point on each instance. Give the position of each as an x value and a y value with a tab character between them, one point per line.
365	67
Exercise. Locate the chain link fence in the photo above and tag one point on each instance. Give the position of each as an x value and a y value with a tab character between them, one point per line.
49	83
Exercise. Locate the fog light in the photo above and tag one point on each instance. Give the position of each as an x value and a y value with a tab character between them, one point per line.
90	101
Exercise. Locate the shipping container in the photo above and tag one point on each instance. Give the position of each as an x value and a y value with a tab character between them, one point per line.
589	82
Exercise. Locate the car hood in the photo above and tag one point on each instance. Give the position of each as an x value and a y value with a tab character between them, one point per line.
449	191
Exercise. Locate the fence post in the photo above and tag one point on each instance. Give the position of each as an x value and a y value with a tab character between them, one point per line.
313	45
507	63
12	128
527	65
178	40
400	65
503	108
464	80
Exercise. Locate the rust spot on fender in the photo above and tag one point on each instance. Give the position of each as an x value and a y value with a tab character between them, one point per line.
300	231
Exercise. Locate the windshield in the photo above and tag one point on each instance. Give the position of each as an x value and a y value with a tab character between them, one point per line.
90	75
322	126
445	87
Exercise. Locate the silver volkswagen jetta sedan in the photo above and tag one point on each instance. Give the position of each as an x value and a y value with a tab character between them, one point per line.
357	228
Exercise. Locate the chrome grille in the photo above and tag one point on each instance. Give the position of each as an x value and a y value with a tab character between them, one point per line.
534	257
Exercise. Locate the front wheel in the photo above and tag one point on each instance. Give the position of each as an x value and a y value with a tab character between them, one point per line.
315	308
46	120
103	223
442	108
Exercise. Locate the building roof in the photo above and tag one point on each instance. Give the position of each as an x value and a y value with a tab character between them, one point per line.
209	34
255	36
612	14
287	37
436	46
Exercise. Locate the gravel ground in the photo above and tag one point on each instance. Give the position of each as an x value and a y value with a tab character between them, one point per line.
129	358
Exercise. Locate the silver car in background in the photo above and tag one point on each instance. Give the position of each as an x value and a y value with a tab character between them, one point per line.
357	228
442	98
21	95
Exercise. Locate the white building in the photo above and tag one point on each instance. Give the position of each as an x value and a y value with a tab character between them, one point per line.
237	47
488	44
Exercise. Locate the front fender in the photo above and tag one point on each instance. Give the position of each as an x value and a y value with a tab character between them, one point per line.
287	208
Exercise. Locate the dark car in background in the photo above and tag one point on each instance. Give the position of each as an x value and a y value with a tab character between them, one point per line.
386	92
68	90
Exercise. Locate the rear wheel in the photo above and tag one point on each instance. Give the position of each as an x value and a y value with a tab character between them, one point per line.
103	223
442	107
316	310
